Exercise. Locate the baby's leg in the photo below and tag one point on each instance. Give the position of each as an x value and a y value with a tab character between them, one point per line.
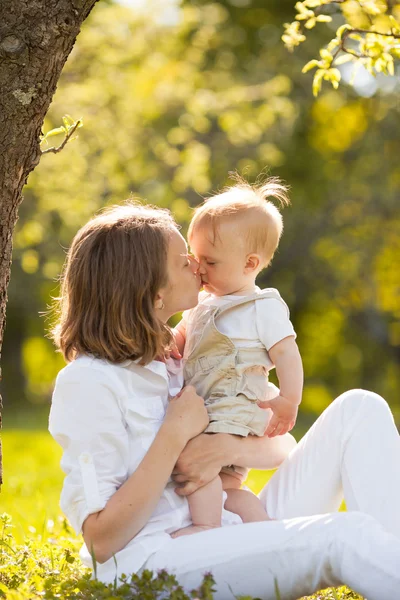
205	508
242	502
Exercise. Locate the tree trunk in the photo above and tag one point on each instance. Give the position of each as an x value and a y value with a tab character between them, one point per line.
36	37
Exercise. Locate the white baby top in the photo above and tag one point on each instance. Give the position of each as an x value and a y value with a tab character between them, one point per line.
260	324
105	417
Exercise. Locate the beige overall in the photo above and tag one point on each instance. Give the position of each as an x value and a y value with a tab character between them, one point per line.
230	379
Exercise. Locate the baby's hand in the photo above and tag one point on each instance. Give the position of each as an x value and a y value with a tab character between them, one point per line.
179	339
284	415
173	351
176	346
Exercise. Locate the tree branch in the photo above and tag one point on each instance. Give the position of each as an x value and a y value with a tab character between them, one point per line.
396	36
56	149
342	47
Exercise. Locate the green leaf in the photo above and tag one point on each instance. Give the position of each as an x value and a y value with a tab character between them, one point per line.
342	29
335	75
344	58
310	65
317	81
68	121
324	19
53	132
333	44
355	36
3	543
310	23
325	54
394	24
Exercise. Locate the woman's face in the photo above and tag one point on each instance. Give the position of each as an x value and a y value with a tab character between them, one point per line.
182	289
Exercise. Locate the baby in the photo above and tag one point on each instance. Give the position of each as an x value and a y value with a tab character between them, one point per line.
235	335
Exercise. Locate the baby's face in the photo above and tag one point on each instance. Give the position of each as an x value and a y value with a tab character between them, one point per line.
222	261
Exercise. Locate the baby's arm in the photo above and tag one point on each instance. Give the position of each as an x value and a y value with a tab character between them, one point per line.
289	369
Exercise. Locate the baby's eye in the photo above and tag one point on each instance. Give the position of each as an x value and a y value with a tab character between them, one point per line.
210	264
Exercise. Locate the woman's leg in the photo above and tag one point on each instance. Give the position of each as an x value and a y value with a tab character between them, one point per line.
299	556
351	451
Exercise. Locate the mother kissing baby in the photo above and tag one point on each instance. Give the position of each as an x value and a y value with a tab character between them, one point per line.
130	434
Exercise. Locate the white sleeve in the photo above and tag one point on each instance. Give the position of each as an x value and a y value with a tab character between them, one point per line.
87	422
273	322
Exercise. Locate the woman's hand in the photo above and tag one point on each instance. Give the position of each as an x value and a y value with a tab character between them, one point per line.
186	414
199	463
204	456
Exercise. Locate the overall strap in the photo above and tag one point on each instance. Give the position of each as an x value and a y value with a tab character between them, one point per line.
267	293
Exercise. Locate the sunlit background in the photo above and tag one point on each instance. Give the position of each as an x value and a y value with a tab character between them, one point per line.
174	96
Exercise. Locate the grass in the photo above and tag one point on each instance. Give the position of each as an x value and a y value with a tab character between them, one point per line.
38	550
32	482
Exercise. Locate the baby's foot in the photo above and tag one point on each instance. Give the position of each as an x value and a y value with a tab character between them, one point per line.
191	529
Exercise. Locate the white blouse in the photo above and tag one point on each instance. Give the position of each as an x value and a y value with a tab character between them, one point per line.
105	417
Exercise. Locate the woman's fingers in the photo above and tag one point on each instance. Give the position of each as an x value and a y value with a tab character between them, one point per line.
179	478
188	410
187	489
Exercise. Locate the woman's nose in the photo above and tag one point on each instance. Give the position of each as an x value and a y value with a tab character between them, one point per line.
194	265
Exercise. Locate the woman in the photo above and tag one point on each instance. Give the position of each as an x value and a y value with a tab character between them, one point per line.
125	426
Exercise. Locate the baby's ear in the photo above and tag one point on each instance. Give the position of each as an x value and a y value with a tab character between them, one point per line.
253	262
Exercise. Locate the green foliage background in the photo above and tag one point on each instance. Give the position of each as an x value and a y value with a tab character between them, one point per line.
168	110
170	107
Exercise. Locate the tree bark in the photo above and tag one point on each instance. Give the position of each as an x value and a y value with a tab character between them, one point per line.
36	38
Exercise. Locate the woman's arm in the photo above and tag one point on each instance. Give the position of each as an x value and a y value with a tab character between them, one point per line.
205	455
128	510
130	507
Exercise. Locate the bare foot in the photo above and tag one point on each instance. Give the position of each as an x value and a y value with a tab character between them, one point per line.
191	529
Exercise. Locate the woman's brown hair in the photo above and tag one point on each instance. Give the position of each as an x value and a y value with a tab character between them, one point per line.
116	265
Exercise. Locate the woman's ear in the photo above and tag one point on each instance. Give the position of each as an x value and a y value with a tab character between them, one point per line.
159	303
253	262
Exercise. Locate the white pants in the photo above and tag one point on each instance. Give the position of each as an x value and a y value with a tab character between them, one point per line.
352	451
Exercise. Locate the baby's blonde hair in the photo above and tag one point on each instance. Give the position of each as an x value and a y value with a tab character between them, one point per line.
260	219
